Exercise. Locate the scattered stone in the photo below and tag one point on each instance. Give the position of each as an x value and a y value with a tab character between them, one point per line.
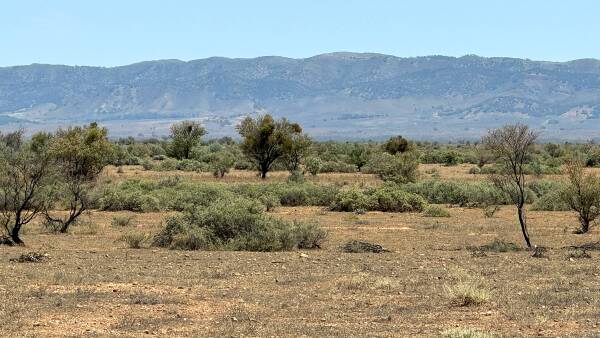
362	246
303	255
31	257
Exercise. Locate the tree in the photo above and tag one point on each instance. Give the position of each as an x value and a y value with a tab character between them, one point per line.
25	169
582	194
185	135
80	154
512	146
359	155
396	144
264	139
295	149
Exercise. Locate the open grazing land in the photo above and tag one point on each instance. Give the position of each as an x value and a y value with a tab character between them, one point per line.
278	235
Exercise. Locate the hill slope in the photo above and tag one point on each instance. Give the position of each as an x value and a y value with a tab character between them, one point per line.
338	95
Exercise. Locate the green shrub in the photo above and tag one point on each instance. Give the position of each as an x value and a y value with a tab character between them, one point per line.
309	235
393	199
168	164
353	198
399	168
269	200
132	200
337	167
294	195
435	211
464	194
313	165
388	197
551	201
233	223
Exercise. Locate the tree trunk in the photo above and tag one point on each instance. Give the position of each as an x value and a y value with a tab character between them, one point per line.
263	171
14	235
521	214
585	225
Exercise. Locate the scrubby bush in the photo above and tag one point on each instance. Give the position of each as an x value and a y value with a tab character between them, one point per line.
309	235
134	240
337	167
393	198
465	194
313	165
399	168
390	198
233	223
353	198
435	211
121	221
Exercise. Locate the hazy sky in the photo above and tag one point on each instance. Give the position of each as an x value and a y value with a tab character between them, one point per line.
111	32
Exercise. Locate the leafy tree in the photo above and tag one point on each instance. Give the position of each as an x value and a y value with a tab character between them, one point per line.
582	194
25	168
80	154
295	149
185	135
396	144
359	155
264	139
512	146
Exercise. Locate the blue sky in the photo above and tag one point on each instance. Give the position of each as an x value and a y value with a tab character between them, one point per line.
110	32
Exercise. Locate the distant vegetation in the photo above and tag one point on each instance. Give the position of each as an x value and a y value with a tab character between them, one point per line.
56	177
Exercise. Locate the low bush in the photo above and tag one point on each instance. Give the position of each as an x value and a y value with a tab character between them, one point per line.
235	223
393	198
464	194
551	201
388	197
134	240
353	198
121	221
313	165
435	211
309	235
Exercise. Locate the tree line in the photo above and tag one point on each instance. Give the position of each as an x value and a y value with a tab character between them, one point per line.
63	167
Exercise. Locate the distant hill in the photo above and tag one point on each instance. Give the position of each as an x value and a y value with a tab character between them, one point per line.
338	95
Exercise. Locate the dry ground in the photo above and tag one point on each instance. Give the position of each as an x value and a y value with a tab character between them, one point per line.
94	285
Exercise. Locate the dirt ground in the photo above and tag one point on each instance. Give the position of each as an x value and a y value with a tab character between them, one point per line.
94	285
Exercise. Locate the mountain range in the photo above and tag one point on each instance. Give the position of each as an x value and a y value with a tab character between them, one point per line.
336	95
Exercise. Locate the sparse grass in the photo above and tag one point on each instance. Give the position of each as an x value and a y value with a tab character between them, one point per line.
465	333
122	221
182	293
497	245
135	240
365	281
467	289
435	211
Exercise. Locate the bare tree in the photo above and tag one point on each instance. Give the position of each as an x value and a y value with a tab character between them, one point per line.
512	145
582	194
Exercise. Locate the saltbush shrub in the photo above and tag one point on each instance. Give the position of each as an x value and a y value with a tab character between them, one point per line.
235	223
